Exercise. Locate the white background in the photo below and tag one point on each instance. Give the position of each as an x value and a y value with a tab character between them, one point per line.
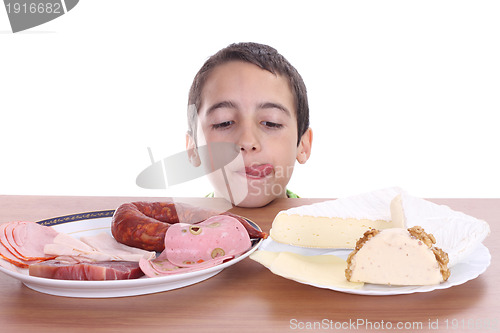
402	93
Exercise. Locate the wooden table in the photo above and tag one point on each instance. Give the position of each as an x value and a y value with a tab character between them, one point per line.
246	297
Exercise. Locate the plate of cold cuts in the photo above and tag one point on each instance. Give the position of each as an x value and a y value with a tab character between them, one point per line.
92	230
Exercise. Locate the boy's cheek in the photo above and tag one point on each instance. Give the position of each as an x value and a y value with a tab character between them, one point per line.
283	171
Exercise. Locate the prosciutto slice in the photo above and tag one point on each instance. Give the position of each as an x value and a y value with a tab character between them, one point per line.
191	247
96	271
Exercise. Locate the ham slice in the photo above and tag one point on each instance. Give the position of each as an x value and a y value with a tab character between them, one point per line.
29	238
10	259
21	243
191	247
7	252
97	271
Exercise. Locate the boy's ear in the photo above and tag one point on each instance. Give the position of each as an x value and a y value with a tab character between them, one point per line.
192	151
304	148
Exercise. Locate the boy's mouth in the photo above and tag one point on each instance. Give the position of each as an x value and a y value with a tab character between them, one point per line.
259	170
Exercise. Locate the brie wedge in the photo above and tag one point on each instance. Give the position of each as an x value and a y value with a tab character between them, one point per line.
335	223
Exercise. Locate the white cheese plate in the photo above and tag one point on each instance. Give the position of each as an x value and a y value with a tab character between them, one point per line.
468	269
93	223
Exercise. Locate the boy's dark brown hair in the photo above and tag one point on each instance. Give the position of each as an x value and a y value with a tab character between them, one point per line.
260	55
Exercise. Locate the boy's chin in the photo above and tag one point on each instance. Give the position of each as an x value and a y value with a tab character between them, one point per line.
252	196
255	201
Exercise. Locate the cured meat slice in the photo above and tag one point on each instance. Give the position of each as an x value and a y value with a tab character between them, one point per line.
11	259
28	239
66	245
19	253
105	243
101	247
6	250
97	271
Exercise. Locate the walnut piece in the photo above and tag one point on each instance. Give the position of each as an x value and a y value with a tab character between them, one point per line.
429	240
359	244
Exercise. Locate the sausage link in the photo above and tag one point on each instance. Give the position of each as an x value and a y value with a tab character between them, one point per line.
134	224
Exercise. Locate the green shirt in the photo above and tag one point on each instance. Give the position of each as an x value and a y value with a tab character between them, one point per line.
289	194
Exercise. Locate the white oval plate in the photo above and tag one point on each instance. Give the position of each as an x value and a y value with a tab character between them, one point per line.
470	268
92	223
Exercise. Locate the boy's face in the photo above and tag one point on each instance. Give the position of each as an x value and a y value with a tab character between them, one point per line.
254	109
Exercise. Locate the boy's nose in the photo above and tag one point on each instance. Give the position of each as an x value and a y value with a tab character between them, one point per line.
248	148
248	141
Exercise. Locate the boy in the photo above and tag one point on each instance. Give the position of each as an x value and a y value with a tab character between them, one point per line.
250	95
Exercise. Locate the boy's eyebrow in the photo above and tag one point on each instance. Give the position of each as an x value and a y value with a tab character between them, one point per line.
271	105
220	105
265	105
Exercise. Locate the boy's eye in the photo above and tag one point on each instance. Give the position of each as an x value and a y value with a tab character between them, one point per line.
270	124
222	125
